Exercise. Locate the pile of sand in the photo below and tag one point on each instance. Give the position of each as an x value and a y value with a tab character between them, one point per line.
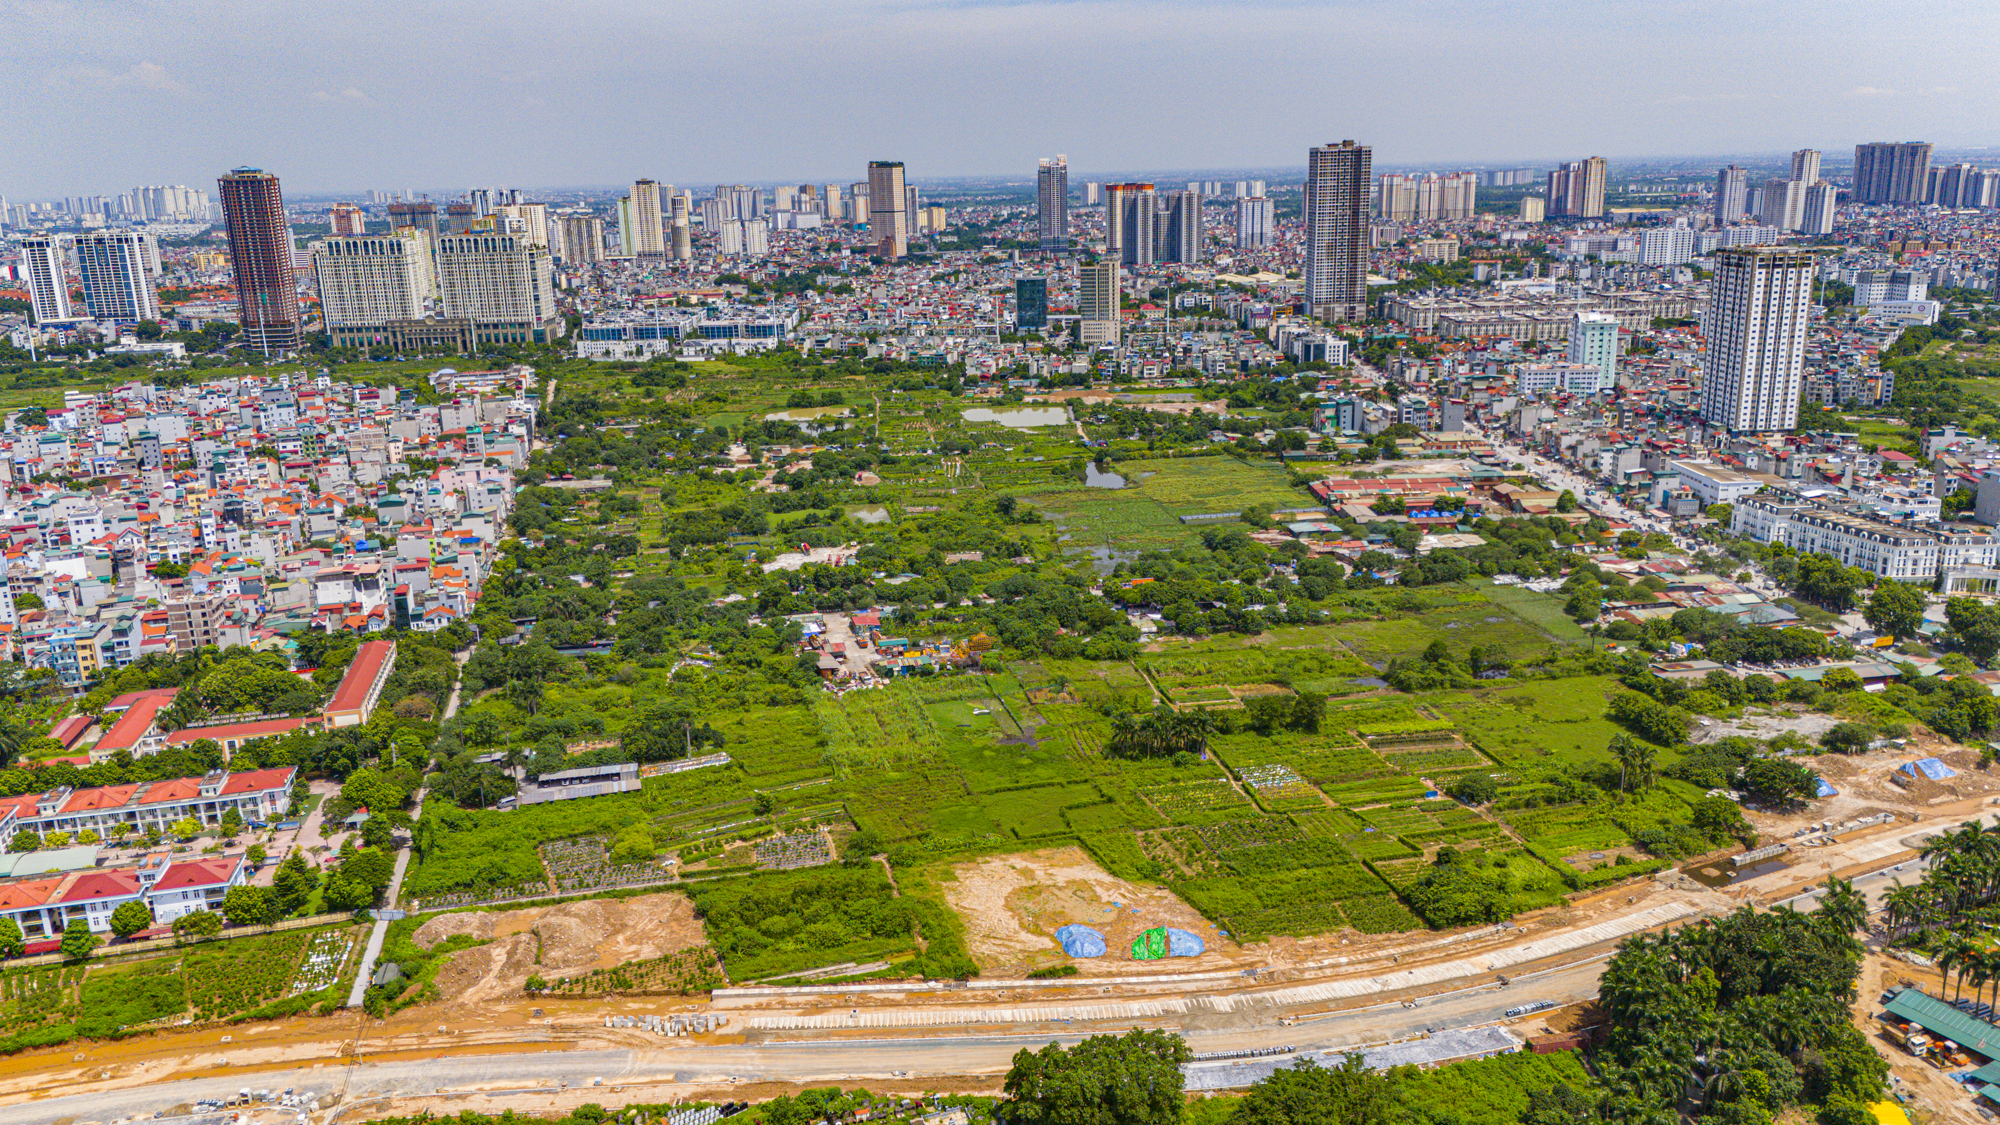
558	941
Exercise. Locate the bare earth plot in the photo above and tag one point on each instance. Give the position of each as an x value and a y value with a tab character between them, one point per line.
557	941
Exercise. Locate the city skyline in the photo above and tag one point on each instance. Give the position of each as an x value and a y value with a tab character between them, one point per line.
160	74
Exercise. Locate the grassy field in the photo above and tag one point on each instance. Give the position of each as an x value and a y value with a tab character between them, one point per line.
1145	514
1289	832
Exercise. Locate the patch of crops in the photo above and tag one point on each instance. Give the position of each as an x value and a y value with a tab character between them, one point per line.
1437	760
1374	790
1182	798
32	997
1328	823
235	976
321	965
681	972
1380	914
1568	828
876	726
116	1001
585	864
1377	845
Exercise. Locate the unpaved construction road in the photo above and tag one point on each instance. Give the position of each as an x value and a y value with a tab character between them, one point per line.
904	1037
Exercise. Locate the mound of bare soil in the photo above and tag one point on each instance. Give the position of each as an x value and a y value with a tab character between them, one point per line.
558	941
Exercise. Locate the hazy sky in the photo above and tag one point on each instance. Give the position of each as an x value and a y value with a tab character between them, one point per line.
345	95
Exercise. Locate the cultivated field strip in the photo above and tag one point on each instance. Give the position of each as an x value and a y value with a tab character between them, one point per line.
945	1017
1443	971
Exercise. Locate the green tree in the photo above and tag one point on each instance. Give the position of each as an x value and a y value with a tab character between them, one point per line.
1635	761
1721	513
635	845
1130	1079
1474	788
1307	1093
1776	781
197	924
24	841
1895	608
1848	738
130	918
1975	627
232	821
12	943
294	882
1566	502
186	828
78	941
250	906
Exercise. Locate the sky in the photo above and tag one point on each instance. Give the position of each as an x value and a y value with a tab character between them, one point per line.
351	95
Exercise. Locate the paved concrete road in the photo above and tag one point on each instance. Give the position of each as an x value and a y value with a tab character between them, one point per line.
817	1058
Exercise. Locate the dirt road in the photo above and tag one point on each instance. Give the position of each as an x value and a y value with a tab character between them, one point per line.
441	1076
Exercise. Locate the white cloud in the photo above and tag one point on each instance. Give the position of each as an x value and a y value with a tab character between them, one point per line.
146	75
1870	92
345	94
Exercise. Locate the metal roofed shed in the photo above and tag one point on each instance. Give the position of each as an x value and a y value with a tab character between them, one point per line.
1081	941
1928	767
1941	1019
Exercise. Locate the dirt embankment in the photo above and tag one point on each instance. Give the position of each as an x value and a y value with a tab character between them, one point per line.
558	941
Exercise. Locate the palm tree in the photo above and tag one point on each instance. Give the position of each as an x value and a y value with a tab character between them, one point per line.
1958	955
1843	906
1901	908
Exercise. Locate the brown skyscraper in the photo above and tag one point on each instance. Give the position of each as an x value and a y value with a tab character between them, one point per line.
260	250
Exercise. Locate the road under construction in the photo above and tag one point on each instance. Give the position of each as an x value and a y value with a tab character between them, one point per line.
1432	997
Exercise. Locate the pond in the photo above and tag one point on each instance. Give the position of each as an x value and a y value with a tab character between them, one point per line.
1093	477
1019	417
875	514
1104	559
808	413
1721	873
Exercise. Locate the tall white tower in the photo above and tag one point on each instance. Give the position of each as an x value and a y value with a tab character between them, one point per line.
1759	305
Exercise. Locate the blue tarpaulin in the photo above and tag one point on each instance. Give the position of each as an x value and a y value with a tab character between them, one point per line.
1180	943
1826	790
1929	767
1081	941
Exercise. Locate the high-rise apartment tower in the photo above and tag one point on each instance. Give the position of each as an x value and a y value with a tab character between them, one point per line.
888	219
1052	199
260	251
1886	172
1759	304
648	239
1336	230
1732	195
118	269
45	257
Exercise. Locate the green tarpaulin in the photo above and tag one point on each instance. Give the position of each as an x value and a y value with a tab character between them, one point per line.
1151	945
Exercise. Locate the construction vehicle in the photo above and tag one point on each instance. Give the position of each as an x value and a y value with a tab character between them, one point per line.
1918	1044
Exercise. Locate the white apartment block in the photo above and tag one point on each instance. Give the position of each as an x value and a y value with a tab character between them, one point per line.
118	269
1714	484
372	279
1755	325
45	260
1907	554
503	284
1568	378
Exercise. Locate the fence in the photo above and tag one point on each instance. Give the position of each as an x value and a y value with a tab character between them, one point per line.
154	945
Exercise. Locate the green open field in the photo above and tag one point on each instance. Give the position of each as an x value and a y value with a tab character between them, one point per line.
1290	832
1145	514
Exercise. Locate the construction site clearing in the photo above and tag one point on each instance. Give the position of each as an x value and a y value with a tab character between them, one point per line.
1248	996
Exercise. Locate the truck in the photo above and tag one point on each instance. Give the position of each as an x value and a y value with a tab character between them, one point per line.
1917	1043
